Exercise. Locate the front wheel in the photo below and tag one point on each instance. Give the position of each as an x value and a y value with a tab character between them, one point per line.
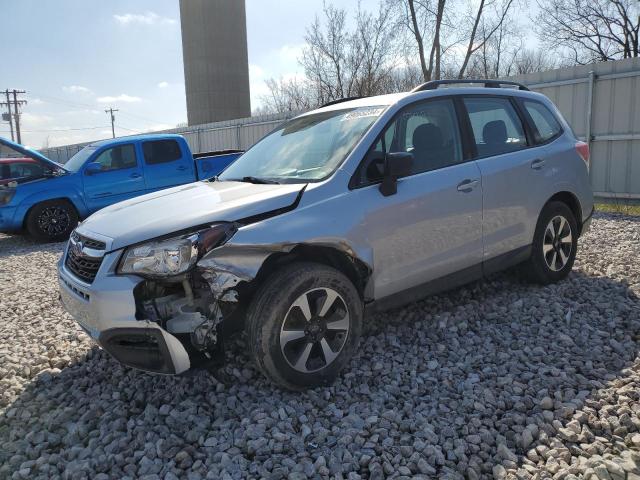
52	221
554	245
304	325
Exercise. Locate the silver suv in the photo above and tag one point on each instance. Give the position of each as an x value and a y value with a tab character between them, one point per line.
362	204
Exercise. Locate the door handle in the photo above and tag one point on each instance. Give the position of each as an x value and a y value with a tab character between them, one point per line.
537	164
135	175
467	185
182	168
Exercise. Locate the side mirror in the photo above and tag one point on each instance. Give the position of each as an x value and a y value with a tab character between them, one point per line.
397	165
92	168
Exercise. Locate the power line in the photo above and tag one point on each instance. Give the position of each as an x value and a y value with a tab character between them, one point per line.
67	129
65	102
148	120
93	107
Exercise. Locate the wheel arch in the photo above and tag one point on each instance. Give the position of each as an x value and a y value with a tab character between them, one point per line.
39	202
357	271
571	201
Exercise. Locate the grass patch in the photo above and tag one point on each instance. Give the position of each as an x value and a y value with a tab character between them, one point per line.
619	207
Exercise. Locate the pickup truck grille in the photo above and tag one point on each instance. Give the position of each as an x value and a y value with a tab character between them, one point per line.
79	262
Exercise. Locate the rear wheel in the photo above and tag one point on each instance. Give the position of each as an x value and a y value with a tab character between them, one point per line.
52	221
304	325
555	244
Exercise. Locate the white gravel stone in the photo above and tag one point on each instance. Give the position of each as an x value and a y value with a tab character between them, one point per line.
497	379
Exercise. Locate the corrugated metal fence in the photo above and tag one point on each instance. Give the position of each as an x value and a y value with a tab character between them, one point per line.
232	134
602	104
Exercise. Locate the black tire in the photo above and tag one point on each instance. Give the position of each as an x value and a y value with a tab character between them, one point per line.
272	309
550	267
52	221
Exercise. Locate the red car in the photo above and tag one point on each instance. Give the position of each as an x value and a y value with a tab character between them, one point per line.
14	169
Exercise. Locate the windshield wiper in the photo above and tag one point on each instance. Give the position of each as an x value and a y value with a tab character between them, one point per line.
255	180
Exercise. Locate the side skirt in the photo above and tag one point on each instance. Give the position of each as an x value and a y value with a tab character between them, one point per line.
451	281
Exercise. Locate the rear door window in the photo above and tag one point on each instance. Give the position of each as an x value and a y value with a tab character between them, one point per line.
497	129
161	151
546	125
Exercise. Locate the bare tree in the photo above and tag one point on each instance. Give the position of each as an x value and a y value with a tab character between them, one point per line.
424	20
488	20
288	95
376	53
340	63
590	30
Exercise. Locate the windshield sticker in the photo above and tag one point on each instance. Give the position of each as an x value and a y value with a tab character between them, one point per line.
363	112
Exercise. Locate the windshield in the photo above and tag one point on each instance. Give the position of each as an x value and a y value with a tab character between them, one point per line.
304	149
75	162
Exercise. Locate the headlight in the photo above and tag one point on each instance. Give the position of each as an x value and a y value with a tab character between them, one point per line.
6	195
173	256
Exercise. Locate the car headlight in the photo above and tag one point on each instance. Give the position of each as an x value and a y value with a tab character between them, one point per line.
6	195
173	256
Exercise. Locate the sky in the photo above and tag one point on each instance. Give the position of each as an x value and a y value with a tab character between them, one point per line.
75	58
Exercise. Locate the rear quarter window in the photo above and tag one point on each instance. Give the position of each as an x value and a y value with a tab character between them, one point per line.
161	151
546	124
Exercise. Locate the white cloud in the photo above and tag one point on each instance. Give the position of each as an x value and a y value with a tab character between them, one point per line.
36	101
77	89
123	97
255	71
147	18
31	120
163	84
291	53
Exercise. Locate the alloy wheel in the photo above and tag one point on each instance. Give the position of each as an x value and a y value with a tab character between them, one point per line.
53	220
314	330
557	243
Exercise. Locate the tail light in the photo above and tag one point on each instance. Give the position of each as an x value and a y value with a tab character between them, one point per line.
583	150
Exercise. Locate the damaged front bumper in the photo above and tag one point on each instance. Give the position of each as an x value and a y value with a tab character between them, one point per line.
106	310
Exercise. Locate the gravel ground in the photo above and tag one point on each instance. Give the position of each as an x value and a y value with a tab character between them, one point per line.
499	379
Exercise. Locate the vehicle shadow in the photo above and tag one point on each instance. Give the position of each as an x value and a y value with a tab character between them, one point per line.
457	377
16	245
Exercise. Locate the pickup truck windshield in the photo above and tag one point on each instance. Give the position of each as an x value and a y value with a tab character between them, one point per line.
75	163
305	149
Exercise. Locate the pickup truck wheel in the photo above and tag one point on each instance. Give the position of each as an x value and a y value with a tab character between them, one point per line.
52	221
555	244
304	325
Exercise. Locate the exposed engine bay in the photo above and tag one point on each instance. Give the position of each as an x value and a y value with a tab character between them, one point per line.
190	307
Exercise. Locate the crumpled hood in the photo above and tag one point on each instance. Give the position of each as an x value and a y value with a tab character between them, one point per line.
179	208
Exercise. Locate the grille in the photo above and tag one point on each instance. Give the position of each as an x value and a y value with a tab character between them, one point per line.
82	265
88	242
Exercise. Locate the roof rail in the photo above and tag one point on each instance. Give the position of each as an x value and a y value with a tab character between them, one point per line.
434	84
340	100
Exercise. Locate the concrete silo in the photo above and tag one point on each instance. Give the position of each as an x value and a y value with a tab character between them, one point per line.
216	69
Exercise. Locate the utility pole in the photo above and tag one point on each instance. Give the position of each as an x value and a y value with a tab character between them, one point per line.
16	104
110	110
8	115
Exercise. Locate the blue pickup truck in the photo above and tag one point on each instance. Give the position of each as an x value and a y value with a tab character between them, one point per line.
49	202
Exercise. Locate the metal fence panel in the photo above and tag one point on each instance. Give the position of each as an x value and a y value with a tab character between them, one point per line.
601	101
614	126
230	134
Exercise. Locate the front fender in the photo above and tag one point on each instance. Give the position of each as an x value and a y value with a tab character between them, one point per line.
67	191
